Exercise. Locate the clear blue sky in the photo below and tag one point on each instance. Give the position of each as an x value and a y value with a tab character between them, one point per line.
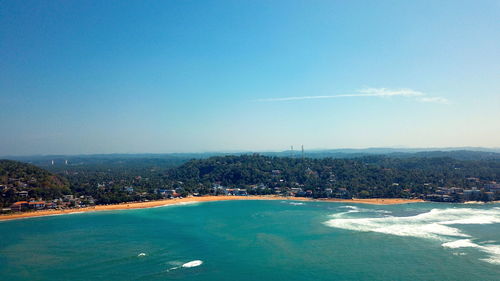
189	76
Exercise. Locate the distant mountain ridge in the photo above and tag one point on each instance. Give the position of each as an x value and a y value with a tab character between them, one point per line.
385	150
167	160
399	153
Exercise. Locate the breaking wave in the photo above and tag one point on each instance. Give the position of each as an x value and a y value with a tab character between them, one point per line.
358	209
492	250
189	203
293	203
436	224
190	264
354	209
193	263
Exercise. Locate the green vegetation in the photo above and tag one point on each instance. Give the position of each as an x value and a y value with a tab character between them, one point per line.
366	177
16	177
115	179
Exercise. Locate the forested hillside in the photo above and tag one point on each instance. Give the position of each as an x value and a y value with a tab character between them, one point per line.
104	181
17	178
374	176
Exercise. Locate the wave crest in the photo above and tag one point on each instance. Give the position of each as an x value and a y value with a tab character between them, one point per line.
436	224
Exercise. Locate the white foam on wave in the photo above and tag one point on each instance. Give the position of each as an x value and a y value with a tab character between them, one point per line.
182	204
435	224
350	207
492	250
190	264
193	263
462	243
343	214
178	204
358	209
296	203
188	203
354	209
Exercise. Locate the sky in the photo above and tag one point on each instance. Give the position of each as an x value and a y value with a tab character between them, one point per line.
84	77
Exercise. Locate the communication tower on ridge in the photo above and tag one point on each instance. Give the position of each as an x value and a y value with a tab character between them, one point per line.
302	152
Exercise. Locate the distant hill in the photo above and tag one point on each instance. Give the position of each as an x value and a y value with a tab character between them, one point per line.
395	153
58	163
133	161
17	177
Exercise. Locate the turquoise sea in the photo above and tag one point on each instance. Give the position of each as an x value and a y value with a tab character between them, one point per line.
258	240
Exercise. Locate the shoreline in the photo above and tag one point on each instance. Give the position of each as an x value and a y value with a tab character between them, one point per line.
165	202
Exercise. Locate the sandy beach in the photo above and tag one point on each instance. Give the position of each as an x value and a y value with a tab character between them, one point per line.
157	203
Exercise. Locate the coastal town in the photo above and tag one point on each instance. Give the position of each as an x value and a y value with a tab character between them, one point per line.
67	202
481	191
26	188
485	192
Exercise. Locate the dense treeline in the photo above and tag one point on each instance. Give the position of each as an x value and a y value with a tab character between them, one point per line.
131	179
107	177
108	184
374	176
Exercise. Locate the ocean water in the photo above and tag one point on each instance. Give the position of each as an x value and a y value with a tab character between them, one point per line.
258	240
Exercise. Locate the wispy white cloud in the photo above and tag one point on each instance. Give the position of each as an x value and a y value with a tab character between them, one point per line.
369	92
434	99
384	92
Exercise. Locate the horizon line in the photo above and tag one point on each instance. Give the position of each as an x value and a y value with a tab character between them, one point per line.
449	148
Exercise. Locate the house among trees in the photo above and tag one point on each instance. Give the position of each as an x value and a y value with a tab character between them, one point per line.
20	206
237	192
36	205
